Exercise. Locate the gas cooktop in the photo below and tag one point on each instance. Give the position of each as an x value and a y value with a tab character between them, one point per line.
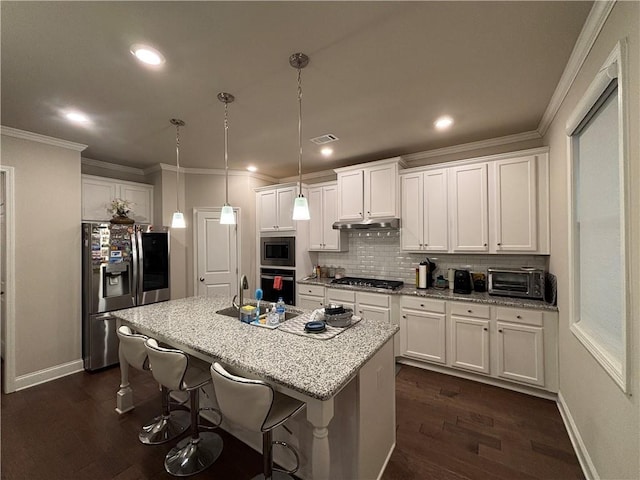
368	282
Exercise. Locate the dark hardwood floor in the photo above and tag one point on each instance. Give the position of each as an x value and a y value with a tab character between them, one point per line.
447	428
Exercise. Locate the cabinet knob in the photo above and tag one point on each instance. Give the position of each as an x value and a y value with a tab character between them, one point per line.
404	316
518	316
500	330
485	244
485	329
202	279
422	305
469	311
499	244
360	312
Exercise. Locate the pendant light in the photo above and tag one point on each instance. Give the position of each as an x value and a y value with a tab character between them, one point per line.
178	217
226	216
300	205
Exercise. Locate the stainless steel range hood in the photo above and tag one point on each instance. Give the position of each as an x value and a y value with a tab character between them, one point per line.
369	224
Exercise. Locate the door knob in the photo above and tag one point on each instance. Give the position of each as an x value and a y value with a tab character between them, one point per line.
202	279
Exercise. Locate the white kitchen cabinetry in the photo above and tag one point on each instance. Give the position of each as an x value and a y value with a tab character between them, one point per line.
323	209
469	208
520	345
346	298
425	220
375	306
275	208
369	191
497	204
310	297
470	336
515	221
423	329
98	192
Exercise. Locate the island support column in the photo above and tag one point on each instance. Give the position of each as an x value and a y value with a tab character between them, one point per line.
124	397
319	414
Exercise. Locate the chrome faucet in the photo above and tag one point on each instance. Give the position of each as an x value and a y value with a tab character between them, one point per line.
244	285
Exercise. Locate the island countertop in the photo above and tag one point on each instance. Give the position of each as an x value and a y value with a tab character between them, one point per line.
316	368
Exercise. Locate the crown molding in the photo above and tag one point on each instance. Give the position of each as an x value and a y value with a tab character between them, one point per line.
465	147
111	166
309	176
590	31
36	137
208	171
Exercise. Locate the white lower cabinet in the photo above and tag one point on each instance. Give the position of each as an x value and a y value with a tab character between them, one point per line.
423	329
375	306
470	337
346	298
310	297
518	345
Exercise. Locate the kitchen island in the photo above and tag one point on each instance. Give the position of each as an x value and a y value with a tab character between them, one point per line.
347	382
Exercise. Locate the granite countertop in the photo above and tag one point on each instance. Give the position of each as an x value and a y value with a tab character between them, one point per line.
440	293
316	368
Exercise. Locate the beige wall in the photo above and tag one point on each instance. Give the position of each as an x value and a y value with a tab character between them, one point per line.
47	257
607	420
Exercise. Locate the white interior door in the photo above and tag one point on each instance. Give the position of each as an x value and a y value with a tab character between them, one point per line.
216	254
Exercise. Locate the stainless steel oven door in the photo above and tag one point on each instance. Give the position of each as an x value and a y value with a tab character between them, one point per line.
278	251
269	285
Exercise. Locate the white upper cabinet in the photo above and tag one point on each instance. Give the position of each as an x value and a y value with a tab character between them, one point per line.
98	192
469	208
497	204
275	208
323	209
369	190
425	222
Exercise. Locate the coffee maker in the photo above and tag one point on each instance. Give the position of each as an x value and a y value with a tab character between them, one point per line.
462	282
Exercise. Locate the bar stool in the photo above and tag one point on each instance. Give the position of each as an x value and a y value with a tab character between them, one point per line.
170	424
170	367
256	406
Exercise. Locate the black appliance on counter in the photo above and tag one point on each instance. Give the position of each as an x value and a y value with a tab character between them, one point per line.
368	282
462	282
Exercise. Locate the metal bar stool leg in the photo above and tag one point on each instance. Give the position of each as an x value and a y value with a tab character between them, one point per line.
166	427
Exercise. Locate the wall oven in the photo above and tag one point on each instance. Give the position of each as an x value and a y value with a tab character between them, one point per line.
278	282
278	251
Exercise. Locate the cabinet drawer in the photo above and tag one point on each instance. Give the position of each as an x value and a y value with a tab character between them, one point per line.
426	304
375	299
470	310
516	315
334	295
311	290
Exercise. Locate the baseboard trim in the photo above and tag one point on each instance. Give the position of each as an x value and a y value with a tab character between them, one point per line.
588	468
47	374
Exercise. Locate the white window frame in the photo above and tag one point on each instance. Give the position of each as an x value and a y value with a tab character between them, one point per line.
617	366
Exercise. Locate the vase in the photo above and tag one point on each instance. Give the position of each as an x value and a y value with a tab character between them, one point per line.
122	220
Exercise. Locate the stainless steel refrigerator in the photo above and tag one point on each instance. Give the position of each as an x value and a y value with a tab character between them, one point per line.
122	266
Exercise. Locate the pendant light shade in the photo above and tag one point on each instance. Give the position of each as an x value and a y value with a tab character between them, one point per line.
301	208
178	218
300	205
226	215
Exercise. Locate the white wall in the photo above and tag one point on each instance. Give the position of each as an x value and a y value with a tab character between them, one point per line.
47	257
607	422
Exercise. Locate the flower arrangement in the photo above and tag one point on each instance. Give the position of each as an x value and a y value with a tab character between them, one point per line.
120	207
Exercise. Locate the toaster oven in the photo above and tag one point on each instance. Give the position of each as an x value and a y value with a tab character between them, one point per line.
523	282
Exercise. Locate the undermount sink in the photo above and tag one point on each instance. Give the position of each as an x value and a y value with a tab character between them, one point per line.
233	312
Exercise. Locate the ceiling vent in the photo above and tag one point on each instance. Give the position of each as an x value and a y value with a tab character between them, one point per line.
322	139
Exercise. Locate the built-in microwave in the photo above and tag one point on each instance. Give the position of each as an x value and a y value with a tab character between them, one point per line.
278	251
524	282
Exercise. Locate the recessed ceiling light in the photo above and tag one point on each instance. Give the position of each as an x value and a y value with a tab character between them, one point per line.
443	123
76	117
251	168
147	54
326	151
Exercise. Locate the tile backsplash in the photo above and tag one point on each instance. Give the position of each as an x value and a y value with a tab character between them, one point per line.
377	254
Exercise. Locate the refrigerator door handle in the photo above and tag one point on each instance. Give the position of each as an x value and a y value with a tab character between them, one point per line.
136	253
